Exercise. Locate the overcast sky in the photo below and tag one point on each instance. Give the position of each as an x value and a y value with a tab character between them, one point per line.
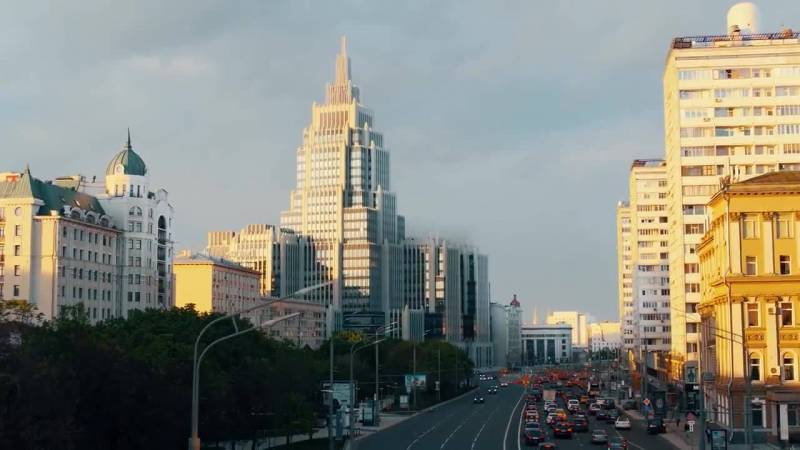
510	123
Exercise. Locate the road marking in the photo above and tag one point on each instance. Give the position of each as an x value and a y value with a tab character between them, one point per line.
519	426
425	433
458	428
629	441
474	441
508	425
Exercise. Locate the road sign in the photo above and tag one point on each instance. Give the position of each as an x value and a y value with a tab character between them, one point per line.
691	425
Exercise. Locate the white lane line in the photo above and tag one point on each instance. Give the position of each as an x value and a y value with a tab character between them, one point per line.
425	433
629	441
519	427
458	428
475	441
508	425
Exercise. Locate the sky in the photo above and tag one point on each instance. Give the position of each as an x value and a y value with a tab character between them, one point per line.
511	124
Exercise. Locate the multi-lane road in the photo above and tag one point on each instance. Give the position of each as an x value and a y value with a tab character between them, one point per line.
493	425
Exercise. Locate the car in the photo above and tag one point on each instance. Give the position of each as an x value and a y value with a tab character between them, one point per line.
612	415
503	384
609	404
629	404
584	399
563	430
478	399
602	414
580	424
593	408
599	436
656	425
548	446
622	423
573	402
561	413
491	391
533	434
551	418
617	443
531	416
551	409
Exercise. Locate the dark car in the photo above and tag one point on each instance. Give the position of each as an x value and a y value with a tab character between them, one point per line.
609	404
491	391
580	424
629	404
478	399
611	416
563	429
602	415
533	434
617	443
655	426
599	436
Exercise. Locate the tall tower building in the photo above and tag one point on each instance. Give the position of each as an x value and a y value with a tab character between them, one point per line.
343	201
649	264
731	109
625	278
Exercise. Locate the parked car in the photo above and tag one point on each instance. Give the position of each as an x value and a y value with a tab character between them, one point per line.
656	426
599	436
622	423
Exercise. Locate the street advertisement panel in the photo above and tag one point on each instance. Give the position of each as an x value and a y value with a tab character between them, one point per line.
419	380
341	393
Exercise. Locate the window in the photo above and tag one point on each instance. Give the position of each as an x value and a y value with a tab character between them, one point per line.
785	265
788	367
783	227
16	290
752	314
17	250
17	230
691	268
692	287
793	416
750	266
17	270
787	317
750	226
755	368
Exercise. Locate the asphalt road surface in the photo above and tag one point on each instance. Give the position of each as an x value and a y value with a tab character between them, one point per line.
493	425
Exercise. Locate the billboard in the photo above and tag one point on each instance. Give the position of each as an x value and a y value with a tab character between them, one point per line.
341	393
418	379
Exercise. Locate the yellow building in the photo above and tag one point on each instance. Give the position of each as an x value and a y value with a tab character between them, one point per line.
214	284
750	290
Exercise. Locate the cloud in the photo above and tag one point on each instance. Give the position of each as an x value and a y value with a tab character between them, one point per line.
170	67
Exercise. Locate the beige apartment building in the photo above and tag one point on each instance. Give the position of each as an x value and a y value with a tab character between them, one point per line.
576	320
731	109
625	279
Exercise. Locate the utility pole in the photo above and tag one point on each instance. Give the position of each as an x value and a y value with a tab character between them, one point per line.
414	380
439	375
376	414
330	403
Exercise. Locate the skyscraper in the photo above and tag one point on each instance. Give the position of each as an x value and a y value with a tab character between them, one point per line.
731	109
625	278
343	201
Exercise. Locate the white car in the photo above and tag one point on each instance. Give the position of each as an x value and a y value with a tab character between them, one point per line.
622	423
503	384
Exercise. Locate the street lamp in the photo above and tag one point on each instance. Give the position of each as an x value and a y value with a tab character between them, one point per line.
354	348
194	440
380	330
414	369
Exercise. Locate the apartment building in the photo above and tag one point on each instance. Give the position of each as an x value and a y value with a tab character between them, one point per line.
731	109
625	281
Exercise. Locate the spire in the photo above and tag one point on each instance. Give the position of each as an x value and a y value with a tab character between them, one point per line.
342	63
128	144
27	169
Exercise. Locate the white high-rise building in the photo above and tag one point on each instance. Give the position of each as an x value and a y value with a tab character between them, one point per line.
344	203
731	109
576	320
649	260
506	325
625	278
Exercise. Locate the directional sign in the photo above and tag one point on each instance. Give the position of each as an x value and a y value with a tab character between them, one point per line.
691	425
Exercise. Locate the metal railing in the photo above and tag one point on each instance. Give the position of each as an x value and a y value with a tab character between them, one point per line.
709	41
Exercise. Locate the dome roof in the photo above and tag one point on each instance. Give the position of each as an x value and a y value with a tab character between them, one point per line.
129	161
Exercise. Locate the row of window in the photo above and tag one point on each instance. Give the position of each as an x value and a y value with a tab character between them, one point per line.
739	92
739	73
751	265
782	129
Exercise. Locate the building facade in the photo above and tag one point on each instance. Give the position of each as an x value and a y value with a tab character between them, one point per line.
730	110
577	321
649	260
106	245
625	279
605	336
750	331
506	326
546	344
215	284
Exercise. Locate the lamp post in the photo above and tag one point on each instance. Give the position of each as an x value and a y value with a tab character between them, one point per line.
194	440
414	370
354	348
380	330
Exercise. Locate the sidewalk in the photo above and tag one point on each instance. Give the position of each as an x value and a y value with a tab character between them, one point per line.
676	436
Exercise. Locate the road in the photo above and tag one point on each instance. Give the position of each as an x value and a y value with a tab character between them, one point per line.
494	425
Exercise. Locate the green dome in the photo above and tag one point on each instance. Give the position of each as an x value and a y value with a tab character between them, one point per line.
129	160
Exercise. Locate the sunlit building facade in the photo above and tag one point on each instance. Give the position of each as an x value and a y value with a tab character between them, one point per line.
731	109
750	331
625	279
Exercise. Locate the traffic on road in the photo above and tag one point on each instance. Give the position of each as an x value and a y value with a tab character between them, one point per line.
540	408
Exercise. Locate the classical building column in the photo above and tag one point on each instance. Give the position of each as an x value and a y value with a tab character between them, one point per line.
734	241
767	239
772	359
